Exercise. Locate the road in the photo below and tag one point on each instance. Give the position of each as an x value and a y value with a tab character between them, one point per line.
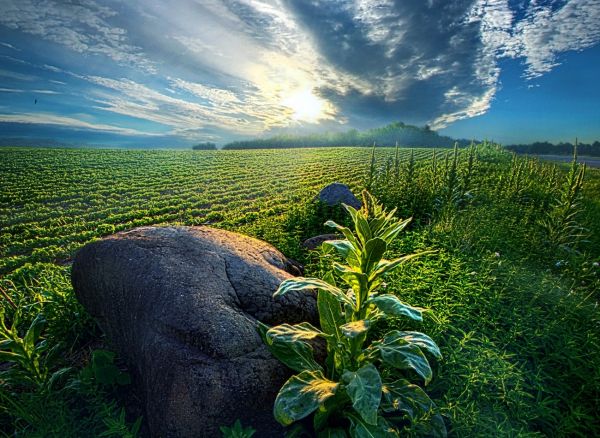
590	161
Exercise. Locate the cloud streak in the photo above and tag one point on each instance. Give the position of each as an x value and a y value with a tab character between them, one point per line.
35	91
69	122
218	109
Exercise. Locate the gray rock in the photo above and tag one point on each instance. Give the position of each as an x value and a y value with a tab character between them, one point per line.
315	242
181	307
336	193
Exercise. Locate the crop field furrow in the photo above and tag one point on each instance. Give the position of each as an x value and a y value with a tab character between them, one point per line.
55	199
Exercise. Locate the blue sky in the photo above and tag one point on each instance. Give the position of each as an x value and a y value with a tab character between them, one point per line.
175	73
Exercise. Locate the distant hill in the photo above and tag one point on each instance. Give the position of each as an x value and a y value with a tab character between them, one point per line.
546	148
405	135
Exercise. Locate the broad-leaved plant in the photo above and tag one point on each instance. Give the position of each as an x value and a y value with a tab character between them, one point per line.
365	388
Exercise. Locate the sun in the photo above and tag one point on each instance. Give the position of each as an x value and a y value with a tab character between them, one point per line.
306	106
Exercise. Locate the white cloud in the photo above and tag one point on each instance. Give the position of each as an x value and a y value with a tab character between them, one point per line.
17	90
545	34
53	68
469	106
214	96
133	99
10	46
69	122
83	27
17	76
539	38
542	35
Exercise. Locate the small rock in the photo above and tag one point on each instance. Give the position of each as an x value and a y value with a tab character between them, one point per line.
315	242
336	193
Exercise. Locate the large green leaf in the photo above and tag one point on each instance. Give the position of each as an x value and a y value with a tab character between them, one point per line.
390	234
417	338
390	215
304	331
298	356
34	331
355	328
346	249
344	230
392	306
353	277
351	211
361	429
403	396
331	318
362	229
402	355
386	266
330	314
301	395
372	254
301	283
364	389
377	224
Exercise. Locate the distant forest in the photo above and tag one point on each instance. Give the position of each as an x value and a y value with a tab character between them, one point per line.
206	146
404	135
546	148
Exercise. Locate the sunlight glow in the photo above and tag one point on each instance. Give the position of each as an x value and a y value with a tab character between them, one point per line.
306	106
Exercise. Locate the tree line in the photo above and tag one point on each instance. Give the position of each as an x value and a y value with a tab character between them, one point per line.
206	146
397	132
547	148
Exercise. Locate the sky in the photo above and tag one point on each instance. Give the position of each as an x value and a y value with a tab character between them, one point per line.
158	73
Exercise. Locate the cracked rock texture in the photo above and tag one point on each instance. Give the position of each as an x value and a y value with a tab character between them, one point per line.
180	305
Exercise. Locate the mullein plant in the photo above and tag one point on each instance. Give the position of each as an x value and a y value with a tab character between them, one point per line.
365	387
561	224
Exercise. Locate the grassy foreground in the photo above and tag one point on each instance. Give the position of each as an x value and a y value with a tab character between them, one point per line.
512	288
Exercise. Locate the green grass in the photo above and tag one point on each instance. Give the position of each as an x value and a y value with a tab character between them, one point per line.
515	316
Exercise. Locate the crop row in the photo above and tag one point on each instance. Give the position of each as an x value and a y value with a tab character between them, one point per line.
54	201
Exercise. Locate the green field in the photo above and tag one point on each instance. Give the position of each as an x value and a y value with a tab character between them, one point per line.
512	287
53	201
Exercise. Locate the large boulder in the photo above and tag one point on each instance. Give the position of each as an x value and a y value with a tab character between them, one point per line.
181	306
337	193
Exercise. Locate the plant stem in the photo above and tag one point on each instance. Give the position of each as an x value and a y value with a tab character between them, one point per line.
10	301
